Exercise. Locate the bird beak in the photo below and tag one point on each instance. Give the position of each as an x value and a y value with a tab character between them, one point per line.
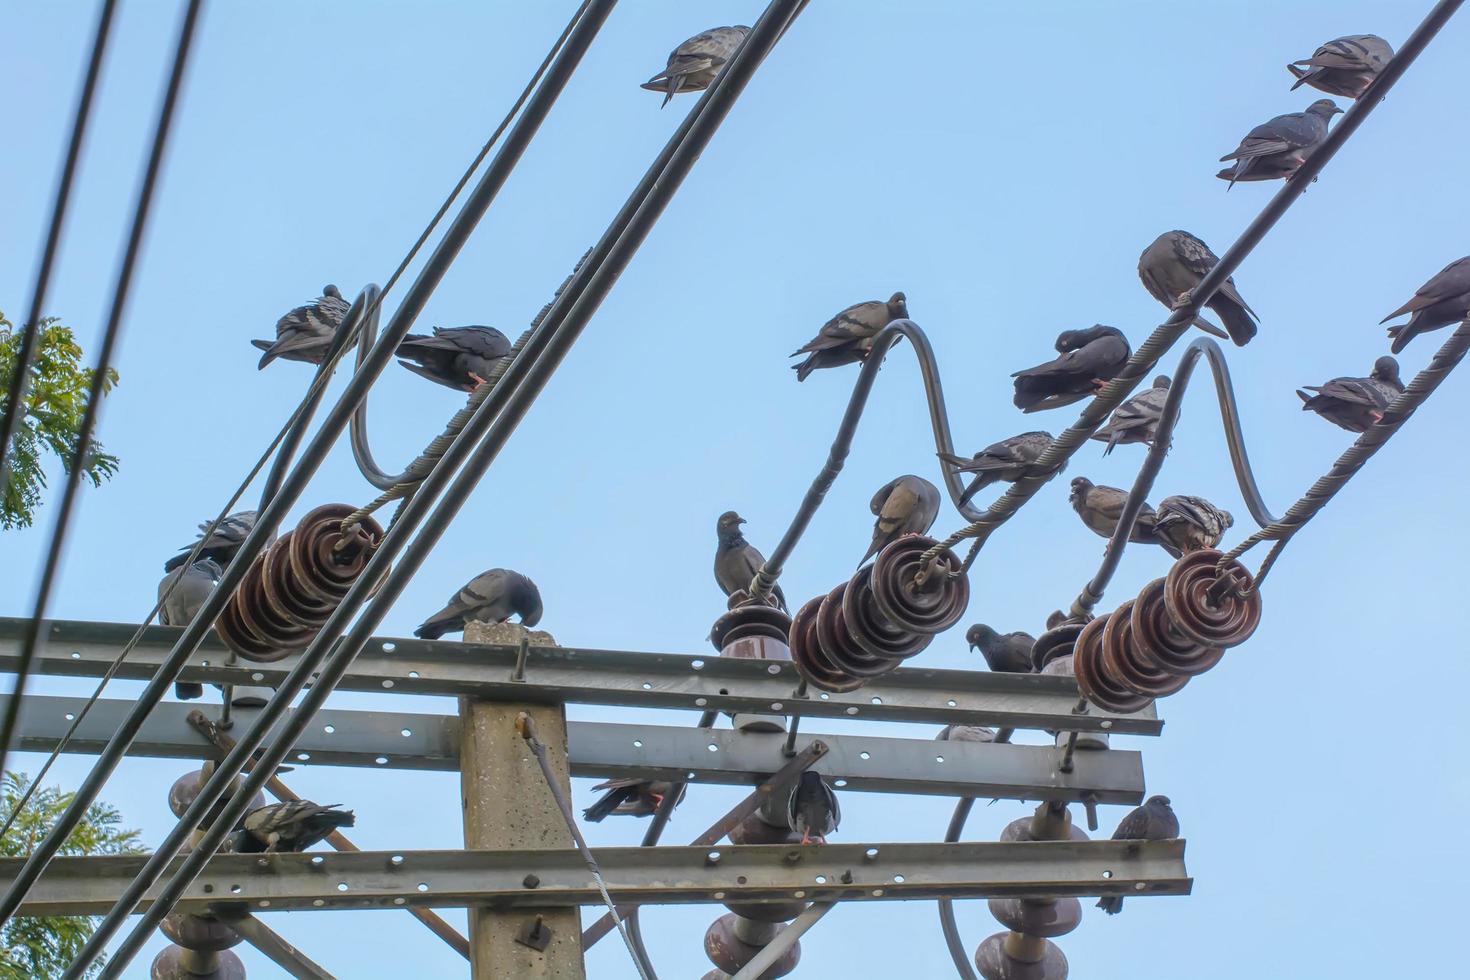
740	521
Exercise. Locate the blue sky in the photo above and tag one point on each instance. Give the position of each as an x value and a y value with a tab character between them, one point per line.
1004	165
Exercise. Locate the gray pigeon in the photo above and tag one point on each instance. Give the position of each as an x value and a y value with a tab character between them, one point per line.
1004	653
289	826
222	543
1278	148
1184	523
1355	403
848	337
1441	301
1137	419
305	334
907	505
1175	264
196	582
1100	507
1089	358
965	733
694	64
490	597
1345	67
812	809
629	798
456	357
1006	461
736	559
1155	820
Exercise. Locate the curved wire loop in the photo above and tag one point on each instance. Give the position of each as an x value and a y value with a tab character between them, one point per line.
361	451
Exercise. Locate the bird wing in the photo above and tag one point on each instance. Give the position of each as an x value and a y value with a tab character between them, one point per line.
1356	52
1134	826
1451	281
486	342
1356	391
1291	131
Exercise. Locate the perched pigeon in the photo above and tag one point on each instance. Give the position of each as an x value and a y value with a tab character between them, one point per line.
965	733
812	809
694	64
1088	359
1137	419
1155	820
221	544
1355	403
1175	264
1345	67
1004	653
848	337
907	505
629	798
179	608
490	597
1278	148
1441	301
305	334
1184	523
1100	507
292	826
456	357
736	559
1002	462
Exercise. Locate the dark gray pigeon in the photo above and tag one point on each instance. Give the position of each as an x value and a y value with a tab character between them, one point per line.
290	826
222	543
694	64
1137	419
1345	67
736	559
812	809
490	597
848	337
456	357
1155	820
1004	653
1355	403
196	582
1089	358
1185	523
1002	462
1441	301
1277	149
305	334
629	798
1174	264
906	505
1101	506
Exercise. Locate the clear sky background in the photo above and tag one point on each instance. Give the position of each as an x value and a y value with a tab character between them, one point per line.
1004	164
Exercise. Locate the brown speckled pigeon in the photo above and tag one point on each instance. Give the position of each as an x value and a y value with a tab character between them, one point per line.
906	505
305	334
1174	264
289	826
736	559
1345	66
1101	506
1004	653
1355	403
694	64
1277	148
1155	820
1137	419
1002	462
1185	523
848	337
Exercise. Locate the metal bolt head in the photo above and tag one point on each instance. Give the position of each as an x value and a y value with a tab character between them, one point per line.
531	881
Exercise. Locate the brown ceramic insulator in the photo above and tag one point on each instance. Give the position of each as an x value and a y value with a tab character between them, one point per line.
240	639
198	933
1093	679
1121	660
280	590
931	608
255	630
811	662
1224	622
751	620
837	642
327	562
1054	643
1020	829
1159	642
868	628
1048	919
178	963
994	963
730	953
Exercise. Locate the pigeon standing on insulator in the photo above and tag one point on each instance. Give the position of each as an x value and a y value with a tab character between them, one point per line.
694	64
1089	359
490	597
1100	507
848	337
1278	148
812	809
1155	820
1004	653
456	357
222	542
1185	523
1174	264
182	604
1345	67
1355	403
305	334
1002	462
1137	419
907	505
1441	301
290	826
736	559
630	798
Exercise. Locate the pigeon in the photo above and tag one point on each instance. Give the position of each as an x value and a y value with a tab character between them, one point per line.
1278	148
736	559
1137	419
694	64
630	798
490	597
1100	507
305	334
1002	462
1174	264
291	826
1345	67
848	337
1088	359
222	543
1355	403
196	581
812	809
1441	301
1184	523
1004	653
1155	820
456	357
965	733
907	505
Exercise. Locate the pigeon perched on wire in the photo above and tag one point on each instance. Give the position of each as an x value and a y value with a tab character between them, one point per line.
1355	403
630	798
1004	653
1174	264
694	64
812	809
1155	820
1137	419
1185	523
490	597
906	505
1345	66
1002	462
290	826
305	334
1089	358
1277	148
1441	301
847	338
736	559
195	583
456	357
1100	507
222	542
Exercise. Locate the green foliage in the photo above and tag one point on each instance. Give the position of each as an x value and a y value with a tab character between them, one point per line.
51	421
